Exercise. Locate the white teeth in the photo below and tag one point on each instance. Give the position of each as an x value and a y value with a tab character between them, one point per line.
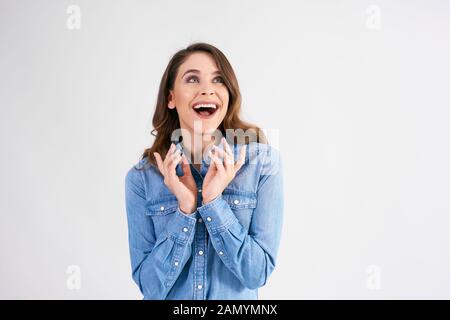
205	106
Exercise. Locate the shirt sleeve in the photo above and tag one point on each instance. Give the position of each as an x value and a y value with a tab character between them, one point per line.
249	255
156	260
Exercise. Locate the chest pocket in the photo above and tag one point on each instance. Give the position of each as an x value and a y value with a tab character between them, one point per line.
242	203
161	211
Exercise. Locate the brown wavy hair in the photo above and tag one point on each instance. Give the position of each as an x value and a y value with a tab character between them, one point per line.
166	120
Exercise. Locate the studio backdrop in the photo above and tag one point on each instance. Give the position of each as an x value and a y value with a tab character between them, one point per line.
354	94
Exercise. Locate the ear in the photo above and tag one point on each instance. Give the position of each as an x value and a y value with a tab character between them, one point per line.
171	104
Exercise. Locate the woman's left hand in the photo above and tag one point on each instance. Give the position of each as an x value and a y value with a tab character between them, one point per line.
220	174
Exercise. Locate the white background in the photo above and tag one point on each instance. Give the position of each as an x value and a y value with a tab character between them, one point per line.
358	92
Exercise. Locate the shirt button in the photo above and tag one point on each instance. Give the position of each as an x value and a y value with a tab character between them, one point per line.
185	229
200	220
176	263
162	208
199	286
221	253
199	190
236	201
209	219
200	252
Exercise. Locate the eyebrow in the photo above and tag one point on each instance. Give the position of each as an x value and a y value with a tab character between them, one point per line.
198	71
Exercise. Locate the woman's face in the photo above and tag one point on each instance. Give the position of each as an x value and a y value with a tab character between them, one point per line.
199	82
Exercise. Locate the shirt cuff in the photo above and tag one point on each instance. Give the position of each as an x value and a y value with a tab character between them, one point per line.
187	214
217	215
182	227
210	201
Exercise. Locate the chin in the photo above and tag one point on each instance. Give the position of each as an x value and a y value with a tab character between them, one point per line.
203	126
208	130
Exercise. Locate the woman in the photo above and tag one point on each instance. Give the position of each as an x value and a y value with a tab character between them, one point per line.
205	203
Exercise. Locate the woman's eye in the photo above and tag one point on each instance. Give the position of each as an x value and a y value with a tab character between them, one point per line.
220	79
190	78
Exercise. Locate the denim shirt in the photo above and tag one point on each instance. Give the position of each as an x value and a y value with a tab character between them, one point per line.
226	249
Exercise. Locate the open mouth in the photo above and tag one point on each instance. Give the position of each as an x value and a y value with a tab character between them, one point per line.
205	110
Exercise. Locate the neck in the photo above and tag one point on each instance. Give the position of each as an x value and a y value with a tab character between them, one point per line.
196	145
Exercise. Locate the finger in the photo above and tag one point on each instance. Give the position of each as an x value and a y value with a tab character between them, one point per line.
187	174
241	159
229	158
184	161
159	162
228	148
212	168
170	157
225	156
169	153
185	166
174	159
170	163
219	153
217	162
212	164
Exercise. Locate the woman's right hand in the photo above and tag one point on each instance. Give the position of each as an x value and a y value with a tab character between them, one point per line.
184	188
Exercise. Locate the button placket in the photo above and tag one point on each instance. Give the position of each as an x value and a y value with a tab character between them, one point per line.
199	233
200	257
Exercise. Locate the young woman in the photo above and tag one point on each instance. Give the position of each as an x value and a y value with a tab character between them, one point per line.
205	203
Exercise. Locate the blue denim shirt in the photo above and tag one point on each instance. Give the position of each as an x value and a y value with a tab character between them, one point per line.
226	249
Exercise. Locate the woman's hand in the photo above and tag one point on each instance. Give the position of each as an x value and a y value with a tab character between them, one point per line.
220	174
184	188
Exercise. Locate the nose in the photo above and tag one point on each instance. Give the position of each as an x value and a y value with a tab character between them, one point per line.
206	91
